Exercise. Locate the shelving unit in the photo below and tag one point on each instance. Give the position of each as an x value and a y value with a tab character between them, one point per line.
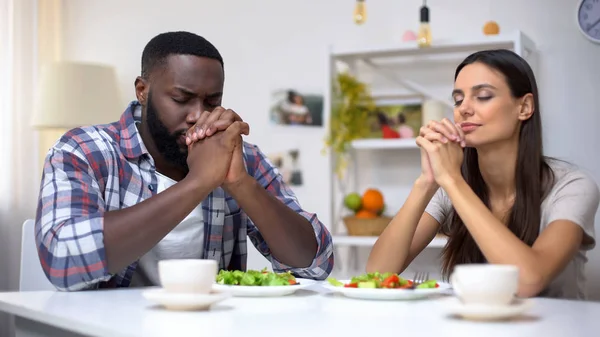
382	58
516	41
368	241
401	70
382	144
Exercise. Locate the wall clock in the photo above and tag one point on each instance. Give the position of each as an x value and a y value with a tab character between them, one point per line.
588	19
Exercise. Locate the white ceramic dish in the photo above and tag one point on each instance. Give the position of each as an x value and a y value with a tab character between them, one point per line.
486	312
387	294
259	291
187	275
184	301
485	283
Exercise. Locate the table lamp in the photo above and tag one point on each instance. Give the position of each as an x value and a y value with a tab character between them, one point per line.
73	94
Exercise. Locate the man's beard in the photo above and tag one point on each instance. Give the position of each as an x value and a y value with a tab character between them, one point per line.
165	142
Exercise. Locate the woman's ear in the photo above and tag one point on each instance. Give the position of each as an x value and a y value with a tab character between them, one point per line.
527	107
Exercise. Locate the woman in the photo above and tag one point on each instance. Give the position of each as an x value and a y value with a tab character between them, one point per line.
384	125
404	131
487	185
295	110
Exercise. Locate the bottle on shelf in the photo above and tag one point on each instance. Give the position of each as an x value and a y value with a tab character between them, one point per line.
424	36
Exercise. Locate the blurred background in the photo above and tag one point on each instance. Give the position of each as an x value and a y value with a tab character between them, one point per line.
272	47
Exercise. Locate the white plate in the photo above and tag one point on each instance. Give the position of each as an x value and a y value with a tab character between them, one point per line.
387	294
484	312
264	291
183	301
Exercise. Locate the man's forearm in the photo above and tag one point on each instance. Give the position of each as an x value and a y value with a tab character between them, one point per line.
131	232
290	236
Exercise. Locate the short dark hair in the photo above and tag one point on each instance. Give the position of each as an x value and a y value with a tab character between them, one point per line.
401	118
381	117
291	94
176	43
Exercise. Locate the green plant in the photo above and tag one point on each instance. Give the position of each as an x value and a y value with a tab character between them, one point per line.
351	103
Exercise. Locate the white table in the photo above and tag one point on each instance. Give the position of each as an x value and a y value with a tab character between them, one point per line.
125	312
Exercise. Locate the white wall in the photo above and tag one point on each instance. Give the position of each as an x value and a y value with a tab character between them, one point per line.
272	43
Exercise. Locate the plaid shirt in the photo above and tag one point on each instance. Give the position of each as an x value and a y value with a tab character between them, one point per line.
98	169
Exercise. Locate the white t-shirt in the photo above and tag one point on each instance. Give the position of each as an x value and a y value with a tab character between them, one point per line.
575	197
185	241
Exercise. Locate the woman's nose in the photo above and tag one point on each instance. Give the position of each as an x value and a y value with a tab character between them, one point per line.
465	108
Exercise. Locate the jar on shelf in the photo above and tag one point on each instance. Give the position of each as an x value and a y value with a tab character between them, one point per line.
434	110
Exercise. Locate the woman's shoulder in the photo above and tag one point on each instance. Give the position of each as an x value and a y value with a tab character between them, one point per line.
575	196
571	178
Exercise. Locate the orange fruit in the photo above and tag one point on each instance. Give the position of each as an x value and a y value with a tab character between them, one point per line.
364	214
491	28
372	200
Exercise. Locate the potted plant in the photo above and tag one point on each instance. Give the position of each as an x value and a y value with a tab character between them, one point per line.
351	103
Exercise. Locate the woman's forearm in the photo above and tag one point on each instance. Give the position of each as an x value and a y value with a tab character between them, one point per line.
392	249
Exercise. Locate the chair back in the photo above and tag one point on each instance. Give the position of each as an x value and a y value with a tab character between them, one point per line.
32	276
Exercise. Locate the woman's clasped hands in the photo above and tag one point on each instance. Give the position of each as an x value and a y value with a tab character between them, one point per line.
442	142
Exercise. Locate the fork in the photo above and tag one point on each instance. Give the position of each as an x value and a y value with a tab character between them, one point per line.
419	278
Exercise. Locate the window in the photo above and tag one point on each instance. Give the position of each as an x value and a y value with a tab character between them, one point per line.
6	93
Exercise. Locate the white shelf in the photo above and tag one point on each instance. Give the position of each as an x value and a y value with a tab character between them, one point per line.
380	144
368	241
514	40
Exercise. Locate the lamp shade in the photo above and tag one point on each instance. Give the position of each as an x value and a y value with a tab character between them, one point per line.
73	94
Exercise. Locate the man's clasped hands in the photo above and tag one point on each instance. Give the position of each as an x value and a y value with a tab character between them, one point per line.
215	155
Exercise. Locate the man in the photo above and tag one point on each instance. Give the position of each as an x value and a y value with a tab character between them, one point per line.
172	179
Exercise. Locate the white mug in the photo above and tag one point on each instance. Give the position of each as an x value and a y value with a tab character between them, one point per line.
485	283
187	275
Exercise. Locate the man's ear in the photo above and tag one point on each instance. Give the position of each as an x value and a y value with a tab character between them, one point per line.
527	107
141	90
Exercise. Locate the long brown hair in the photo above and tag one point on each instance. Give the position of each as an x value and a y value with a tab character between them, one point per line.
533	175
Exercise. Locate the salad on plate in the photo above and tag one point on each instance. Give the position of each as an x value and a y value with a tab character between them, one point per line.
385	286
255	278
382	281
263	283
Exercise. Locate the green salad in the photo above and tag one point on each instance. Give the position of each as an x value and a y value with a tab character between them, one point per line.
255	278
382	281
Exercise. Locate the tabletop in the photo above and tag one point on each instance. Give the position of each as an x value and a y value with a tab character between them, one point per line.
312	311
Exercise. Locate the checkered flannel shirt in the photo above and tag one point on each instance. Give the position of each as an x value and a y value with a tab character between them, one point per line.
97	169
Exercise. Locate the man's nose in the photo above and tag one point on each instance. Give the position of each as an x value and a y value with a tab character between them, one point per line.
193	116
